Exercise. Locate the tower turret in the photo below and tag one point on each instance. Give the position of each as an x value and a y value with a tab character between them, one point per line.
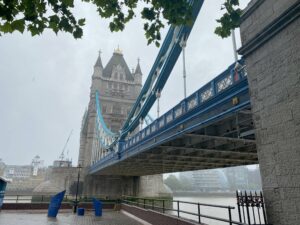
98	72
98	67
138	73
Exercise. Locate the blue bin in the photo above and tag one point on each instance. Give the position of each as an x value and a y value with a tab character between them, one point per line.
97	206
3	184
55	204
80	211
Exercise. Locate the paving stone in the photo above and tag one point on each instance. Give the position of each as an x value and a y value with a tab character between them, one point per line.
40	218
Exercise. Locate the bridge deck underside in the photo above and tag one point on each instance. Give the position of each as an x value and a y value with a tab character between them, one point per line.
223	143
216	133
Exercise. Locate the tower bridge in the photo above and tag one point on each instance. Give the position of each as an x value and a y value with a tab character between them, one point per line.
238	118
211	128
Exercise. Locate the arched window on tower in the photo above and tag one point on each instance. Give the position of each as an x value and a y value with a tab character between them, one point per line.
116	109
121	76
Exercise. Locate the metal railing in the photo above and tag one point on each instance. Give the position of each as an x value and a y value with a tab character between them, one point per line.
251	207
163	205
46	199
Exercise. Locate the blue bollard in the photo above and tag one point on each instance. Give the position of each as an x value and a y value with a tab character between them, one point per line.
80	211
55	204
97	206
3	183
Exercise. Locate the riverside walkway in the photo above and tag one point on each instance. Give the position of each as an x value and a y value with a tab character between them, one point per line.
39	217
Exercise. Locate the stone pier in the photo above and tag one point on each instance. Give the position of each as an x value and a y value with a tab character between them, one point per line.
270	33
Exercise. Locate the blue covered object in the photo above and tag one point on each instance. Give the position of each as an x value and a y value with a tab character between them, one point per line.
97	206
55	204
80	211
3	184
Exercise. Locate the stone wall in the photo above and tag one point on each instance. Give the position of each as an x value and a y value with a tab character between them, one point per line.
273	64
152	186
110	187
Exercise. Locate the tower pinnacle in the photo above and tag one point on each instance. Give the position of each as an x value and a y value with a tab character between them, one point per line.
99	62
138	68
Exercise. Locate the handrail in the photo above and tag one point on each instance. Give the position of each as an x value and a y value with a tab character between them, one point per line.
46	198
135	201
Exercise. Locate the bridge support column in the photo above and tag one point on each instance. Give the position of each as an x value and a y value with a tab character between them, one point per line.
114	187
111	187
271	47
152	186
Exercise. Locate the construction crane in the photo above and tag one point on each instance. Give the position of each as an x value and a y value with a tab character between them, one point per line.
62	155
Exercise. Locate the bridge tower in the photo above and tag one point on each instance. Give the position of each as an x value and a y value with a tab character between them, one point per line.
118	88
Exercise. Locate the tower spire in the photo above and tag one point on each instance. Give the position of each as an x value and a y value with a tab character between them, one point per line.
99	61
138	68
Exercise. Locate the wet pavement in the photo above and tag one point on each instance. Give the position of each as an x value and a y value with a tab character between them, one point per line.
66	218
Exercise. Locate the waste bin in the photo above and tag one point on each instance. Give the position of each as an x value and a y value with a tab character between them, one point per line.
80	211
55	204
97	206
3	183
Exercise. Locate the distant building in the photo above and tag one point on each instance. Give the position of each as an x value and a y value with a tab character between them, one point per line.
24	178
16	171
62	163
226	179
209	180
2	167
237	177
36	164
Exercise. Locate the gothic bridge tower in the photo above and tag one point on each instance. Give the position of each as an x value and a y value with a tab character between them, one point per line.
118	88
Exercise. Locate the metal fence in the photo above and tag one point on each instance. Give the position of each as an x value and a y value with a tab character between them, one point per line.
251	207
164	206
46	199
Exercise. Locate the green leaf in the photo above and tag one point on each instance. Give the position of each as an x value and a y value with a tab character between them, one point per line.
54	27
33	30
81	22
78	33
6	28
69	3
18	25
54	19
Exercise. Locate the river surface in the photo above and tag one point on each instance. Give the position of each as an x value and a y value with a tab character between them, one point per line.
205	210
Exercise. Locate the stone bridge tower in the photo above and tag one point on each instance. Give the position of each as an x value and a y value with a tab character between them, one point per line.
270	34
118	88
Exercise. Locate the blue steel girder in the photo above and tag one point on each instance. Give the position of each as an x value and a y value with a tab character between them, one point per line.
229	95
160	71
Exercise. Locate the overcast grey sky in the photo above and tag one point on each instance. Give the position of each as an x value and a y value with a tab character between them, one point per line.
45	80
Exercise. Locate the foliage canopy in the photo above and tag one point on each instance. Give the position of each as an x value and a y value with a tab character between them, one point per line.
37	15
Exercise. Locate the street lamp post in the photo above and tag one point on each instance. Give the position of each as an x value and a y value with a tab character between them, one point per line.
77	187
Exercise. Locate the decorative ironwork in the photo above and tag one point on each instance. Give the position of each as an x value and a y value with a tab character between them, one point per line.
207	94
251	208
224	83
192	103
153	128
169	117
178	112
161	123
143	134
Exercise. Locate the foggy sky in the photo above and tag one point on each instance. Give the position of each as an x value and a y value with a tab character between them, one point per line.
45	80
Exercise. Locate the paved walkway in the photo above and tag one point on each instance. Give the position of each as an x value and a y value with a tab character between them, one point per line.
40	218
